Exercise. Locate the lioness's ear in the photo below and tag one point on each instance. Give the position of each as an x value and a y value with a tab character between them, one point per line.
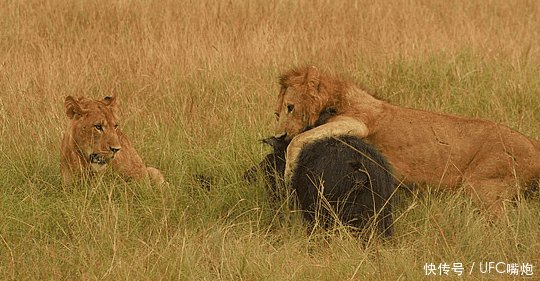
73	109
313	77
109	101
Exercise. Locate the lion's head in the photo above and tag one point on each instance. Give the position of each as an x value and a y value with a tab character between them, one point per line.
305	94
93	128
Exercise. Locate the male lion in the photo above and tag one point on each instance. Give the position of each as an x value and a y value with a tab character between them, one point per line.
93	140
491	161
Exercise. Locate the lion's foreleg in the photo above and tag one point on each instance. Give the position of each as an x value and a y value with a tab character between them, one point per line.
338	127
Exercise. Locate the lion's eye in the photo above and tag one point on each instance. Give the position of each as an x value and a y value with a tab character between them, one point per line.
277	115
115	126
99	127
290	108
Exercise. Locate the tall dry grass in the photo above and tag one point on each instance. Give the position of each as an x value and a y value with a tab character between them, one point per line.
197	85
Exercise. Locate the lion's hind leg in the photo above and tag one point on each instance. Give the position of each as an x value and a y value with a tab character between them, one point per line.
491	194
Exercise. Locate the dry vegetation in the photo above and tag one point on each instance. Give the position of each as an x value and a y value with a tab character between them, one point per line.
197	82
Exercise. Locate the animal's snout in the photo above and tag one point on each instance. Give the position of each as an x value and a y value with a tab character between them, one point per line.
282	136
114	149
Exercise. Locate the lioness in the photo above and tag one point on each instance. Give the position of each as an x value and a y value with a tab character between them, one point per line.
93	140
491	161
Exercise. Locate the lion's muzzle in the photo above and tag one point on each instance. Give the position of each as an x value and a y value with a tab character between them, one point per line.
104	157
97	159
100	159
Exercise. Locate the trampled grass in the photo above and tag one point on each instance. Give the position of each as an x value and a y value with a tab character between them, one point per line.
197	83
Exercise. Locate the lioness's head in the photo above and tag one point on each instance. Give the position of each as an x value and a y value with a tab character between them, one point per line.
304	95
94	128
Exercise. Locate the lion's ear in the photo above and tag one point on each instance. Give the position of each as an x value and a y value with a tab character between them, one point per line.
110	101
73	109
313	77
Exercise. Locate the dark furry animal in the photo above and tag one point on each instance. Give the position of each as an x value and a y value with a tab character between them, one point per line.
339	177
272	167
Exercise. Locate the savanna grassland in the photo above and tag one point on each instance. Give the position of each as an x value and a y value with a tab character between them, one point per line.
197	84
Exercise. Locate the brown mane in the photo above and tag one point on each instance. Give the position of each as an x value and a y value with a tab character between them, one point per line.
330	90
302	76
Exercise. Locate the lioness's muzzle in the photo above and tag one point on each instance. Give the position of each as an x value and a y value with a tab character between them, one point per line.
99	159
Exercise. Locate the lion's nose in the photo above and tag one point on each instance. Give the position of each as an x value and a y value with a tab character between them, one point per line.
114	149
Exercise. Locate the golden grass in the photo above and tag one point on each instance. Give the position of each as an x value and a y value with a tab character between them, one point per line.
197	82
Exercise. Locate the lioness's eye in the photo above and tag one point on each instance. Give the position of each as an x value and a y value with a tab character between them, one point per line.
98	127
277	115
290	108
115	126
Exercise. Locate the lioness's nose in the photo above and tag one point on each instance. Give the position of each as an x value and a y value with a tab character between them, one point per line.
114	149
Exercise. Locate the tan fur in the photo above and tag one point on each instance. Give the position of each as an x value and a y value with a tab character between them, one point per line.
341	125
91	139
491	161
